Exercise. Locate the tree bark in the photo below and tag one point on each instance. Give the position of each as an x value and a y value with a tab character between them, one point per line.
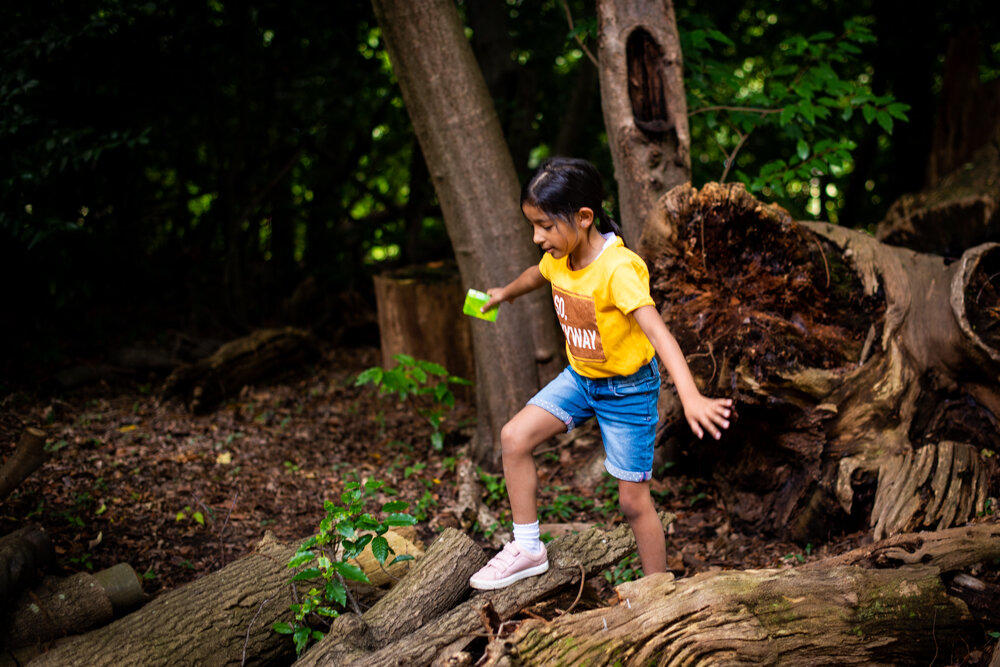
570	557
215	620
645	110
417	309
432	587
860	370
27	457
22	553
476	183
830	616
61	607
885	603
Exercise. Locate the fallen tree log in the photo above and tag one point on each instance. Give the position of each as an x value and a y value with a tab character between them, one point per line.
220	619
831	612
846	357
67	606
238	363
838	616
432	587
572	559
27	457
22	554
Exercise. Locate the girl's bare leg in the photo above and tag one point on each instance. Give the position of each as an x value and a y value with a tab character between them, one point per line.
637	505
529	428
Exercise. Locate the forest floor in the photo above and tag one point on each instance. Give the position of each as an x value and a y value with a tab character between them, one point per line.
133	478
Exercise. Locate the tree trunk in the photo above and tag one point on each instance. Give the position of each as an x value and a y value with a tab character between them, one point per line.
216	620
959	206
645	110
476	183
419	314
237	363
895	610
860	370
27	457
969	115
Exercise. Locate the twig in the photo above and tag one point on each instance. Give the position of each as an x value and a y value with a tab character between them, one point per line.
731	158
249	627
989	282
704	250
579	593
222	545
825	264
386	572
711	355
569	19
762	112
350	595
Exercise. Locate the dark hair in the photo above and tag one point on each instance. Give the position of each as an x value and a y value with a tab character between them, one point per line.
561	186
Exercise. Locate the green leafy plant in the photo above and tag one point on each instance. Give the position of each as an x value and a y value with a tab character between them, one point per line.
343	534
496	487
564	506
801	95
424	385
627	570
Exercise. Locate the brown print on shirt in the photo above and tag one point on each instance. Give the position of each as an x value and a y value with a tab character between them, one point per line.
578	319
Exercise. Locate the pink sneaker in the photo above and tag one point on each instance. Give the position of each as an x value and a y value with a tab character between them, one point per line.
512	564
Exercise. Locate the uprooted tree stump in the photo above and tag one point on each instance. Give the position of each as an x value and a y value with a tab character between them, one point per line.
832	613
865	376
240	362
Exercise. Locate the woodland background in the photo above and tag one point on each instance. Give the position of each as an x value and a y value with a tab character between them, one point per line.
176	176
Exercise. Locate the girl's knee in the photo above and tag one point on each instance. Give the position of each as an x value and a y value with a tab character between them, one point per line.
514	440
634	500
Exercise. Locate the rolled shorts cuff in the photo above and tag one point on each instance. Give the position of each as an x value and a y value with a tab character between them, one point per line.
627	475
554	410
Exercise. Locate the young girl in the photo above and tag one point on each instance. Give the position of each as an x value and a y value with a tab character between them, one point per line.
600	290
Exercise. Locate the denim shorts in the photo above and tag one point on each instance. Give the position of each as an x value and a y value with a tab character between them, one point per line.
625	407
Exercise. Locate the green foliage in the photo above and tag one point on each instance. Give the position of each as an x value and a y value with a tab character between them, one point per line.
628	569
423	385
496	487
343	534
800	97
564	506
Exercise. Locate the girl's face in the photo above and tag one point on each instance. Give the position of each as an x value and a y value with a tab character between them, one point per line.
555	236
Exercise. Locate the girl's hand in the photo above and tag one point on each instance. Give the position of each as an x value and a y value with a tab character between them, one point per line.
708	414
497	296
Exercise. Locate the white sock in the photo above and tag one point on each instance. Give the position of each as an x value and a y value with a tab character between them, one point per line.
528	537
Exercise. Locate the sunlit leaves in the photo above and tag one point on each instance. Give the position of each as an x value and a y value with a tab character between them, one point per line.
800	95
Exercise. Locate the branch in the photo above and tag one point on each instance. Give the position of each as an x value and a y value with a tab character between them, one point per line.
761	111
569	19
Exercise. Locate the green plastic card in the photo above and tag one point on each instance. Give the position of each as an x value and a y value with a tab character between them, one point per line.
475	300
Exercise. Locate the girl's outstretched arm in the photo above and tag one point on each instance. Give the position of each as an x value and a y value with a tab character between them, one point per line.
529	280
702	413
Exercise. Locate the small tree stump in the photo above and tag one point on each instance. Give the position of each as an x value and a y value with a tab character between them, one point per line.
420	314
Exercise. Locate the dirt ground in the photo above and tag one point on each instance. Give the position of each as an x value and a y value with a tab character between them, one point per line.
132	478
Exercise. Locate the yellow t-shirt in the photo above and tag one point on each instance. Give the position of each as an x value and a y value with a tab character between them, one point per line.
594	306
